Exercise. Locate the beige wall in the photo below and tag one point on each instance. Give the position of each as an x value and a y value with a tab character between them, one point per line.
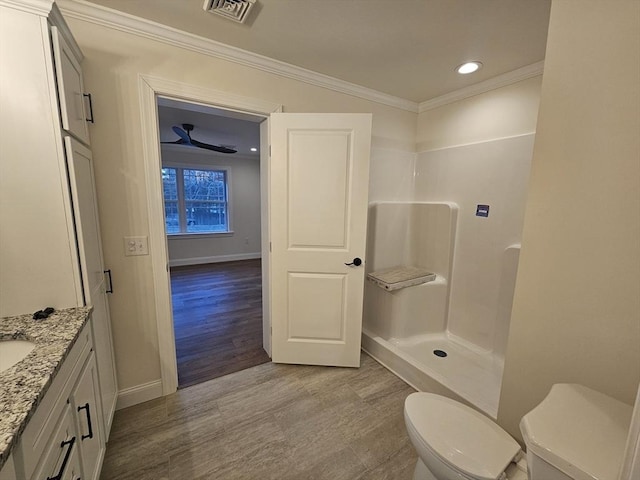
576	315
112	65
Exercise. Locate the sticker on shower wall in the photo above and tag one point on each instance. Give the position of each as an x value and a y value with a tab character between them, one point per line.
482	211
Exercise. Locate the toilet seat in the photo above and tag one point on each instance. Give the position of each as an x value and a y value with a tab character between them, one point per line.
464	439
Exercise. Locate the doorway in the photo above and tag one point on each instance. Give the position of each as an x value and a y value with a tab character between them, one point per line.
337	149
210	168
151	88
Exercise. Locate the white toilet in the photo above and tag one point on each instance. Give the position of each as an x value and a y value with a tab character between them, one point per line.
575	433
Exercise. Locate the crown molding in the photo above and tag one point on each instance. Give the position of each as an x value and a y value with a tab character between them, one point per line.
99	15
503	80
39	7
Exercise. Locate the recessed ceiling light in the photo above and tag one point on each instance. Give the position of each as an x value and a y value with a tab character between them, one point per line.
468	67
253	149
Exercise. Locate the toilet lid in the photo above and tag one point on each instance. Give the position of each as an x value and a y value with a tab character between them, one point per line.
462	437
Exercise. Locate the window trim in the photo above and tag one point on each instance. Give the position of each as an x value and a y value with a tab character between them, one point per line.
182	219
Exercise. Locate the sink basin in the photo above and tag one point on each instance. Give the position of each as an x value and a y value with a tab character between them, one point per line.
12	351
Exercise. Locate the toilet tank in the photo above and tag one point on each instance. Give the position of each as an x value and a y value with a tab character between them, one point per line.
576	433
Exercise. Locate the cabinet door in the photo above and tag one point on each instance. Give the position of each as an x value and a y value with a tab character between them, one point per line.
85	404
85	209
60	459
8	471
70	88
85	214
103	345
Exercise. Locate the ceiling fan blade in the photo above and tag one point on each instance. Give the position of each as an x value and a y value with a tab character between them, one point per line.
215	148
184	136
177	142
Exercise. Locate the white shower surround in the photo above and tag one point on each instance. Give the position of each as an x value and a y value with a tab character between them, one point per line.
470	302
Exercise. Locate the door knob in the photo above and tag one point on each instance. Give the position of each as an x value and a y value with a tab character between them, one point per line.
356	263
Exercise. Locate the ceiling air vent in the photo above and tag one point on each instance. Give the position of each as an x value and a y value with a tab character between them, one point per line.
236	10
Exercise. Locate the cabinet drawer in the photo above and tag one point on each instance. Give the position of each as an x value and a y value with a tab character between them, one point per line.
36	435
60	460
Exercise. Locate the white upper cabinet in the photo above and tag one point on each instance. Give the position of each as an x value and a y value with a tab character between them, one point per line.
75	104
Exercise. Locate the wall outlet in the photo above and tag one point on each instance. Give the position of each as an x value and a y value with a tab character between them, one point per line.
136	246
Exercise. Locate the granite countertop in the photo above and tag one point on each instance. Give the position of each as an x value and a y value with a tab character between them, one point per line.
23	386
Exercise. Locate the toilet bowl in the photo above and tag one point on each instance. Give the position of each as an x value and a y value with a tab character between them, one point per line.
455	442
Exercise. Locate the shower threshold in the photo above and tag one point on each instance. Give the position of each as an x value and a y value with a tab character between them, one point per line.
465	373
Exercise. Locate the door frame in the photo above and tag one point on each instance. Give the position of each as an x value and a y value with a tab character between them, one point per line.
150	88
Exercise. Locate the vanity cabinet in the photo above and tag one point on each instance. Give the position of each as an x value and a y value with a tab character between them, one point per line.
8	471
64	438
52	254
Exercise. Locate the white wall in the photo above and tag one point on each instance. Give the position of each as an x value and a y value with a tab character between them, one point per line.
478	151
38	260
493	173
113	62
244	204
391	175
576	313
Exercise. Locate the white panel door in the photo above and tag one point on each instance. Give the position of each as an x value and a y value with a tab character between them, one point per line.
319	191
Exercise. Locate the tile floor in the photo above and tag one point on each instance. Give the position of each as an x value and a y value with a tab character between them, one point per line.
271	421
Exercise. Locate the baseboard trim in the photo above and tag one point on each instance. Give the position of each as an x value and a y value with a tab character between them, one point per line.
182	262
139	394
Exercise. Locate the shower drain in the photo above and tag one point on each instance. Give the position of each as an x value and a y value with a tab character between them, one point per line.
440	353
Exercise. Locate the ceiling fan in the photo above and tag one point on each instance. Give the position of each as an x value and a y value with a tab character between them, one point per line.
185	139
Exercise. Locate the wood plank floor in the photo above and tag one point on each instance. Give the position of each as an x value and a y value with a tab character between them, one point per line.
284	422
217	316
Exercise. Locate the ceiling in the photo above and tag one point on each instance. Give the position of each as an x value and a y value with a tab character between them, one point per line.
405	48
211	125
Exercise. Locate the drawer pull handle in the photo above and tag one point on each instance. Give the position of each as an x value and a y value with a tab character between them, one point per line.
85	407
69	445
110	289
90	119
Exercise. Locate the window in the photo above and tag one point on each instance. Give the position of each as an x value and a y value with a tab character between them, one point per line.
195	200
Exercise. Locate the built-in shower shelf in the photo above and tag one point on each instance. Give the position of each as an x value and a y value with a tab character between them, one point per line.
395	278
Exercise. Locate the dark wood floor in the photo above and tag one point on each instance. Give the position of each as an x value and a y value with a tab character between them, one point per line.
217	316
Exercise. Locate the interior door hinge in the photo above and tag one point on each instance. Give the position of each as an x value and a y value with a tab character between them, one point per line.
270	246
269	151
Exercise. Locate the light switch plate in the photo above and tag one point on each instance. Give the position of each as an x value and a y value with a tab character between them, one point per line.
136	246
